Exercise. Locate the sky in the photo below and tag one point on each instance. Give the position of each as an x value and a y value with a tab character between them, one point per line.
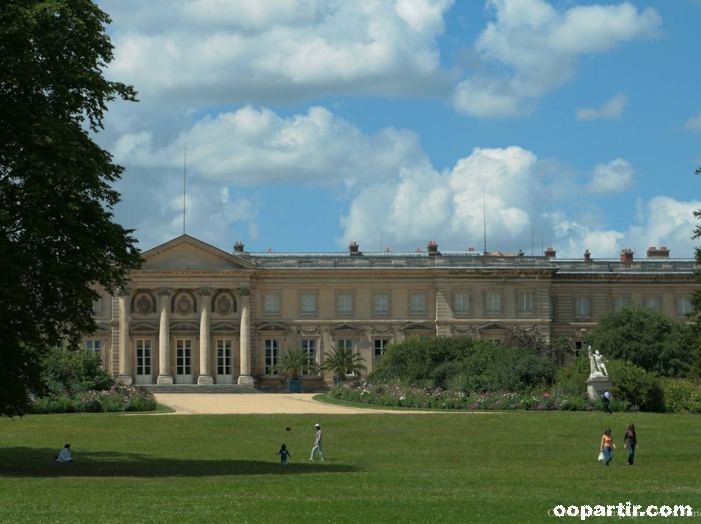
308	124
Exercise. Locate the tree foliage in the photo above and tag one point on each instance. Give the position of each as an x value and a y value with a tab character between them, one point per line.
695	371
341	362
294	363
57	237
646	338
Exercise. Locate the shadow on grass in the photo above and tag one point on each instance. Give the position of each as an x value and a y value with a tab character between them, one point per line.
39	462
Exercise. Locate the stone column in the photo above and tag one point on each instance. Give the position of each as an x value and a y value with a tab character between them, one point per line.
245	377
205	377
164	376
124	376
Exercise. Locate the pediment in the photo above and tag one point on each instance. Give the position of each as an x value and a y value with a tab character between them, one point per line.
224	326
494	325
346	326
273	326
143	327
418	326
185	326
186	252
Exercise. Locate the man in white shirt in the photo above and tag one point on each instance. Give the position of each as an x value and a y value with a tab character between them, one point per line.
65	455
317	444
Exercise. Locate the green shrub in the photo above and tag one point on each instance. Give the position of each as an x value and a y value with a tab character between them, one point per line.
74	371
635	385
647	338
572	379
681	395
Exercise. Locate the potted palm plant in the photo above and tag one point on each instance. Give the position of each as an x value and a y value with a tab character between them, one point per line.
342	362
292	365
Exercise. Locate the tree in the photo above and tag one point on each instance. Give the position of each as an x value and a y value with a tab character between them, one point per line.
57	237
294	363
342	362
695	371
646	338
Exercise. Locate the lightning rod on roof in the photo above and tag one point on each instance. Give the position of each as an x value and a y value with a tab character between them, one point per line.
184	183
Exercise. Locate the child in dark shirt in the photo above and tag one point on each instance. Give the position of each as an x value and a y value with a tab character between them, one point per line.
284	453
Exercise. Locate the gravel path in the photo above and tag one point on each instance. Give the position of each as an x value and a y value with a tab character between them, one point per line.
266	404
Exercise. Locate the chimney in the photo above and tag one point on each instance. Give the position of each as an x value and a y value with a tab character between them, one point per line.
270	250
550	252
470	249
238	247
587	256
653	252
386	250
432	248
353	249
418	250
520	253
627	255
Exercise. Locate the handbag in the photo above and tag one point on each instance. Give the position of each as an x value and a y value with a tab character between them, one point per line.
601	456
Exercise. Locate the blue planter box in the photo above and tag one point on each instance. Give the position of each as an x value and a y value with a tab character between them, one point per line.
294	386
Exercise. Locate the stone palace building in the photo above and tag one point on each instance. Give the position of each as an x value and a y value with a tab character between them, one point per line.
194	314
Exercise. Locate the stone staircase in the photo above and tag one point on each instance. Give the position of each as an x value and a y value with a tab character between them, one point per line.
194	388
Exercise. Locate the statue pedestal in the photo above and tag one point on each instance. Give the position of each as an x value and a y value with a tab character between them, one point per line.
597	384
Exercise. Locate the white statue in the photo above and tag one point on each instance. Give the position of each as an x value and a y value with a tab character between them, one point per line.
596	364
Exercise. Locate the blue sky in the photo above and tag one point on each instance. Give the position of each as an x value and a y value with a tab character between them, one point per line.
312	123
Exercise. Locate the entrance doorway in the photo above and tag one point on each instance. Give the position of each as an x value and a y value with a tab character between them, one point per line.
143	361
225	361
183	361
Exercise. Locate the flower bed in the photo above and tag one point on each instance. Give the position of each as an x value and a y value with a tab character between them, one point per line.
117	398
394	395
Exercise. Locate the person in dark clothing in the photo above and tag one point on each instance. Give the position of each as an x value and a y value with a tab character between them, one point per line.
606	401
631	442
284	453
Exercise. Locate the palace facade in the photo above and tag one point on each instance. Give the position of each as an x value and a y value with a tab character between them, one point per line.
194	314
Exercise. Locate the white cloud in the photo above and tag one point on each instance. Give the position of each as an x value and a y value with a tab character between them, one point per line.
276	50
253	147
422	204
534	49
693	124
615	177
613	108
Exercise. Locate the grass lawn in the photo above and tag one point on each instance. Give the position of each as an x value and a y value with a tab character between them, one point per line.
501	467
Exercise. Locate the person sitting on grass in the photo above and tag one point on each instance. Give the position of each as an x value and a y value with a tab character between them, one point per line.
65	454
284	453
607	445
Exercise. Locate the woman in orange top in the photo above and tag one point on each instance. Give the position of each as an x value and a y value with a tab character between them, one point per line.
607	445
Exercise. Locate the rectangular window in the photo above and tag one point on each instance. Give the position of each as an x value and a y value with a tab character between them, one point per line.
619	302
308	304
94	345
654	303
183	357
143	356
461	303
224	361
345	304
553	308
525	302
683	306
97	307
418	303
493	302
309	346
380	345
381	304
346	344
272	353
582	307
272	303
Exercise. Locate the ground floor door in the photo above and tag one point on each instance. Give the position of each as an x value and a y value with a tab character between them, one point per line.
143	361
225	361
183	361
